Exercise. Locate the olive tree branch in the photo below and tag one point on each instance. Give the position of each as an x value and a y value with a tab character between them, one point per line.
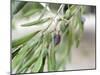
53	19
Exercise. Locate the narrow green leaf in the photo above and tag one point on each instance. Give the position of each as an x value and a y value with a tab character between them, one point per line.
43	12
19	6
70	11
48	38
22	40
63	26
31	60
43	64
15	51
38	64
23	52
37	22
31	8
64	49
80	29
51	59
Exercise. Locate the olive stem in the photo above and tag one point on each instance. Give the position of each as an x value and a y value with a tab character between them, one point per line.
53	19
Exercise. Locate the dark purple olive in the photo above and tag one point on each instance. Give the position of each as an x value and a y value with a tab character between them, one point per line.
57	39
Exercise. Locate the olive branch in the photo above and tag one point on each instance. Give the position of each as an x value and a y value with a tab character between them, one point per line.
47	49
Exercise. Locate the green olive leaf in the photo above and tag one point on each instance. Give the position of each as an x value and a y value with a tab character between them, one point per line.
23	52
15	51
52	58
18	6
31	8
37	22
32	59
43	64
70	12
38	64
22	40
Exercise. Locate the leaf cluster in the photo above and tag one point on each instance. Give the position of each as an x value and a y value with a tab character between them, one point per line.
37	50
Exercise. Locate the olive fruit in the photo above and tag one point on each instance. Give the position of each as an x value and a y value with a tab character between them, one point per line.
57	39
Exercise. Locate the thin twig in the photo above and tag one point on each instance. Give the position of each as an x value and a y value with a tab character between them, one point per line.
53	19
62	5
43	12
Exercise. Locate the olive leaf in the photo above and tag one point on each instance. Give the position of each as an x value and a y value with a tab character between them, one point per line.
19	59
43	64
54	7
22	40
70	12
32	59
15	51
18	6
52	57
37	22
80	26
63	50
23	52
31	8
38	64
